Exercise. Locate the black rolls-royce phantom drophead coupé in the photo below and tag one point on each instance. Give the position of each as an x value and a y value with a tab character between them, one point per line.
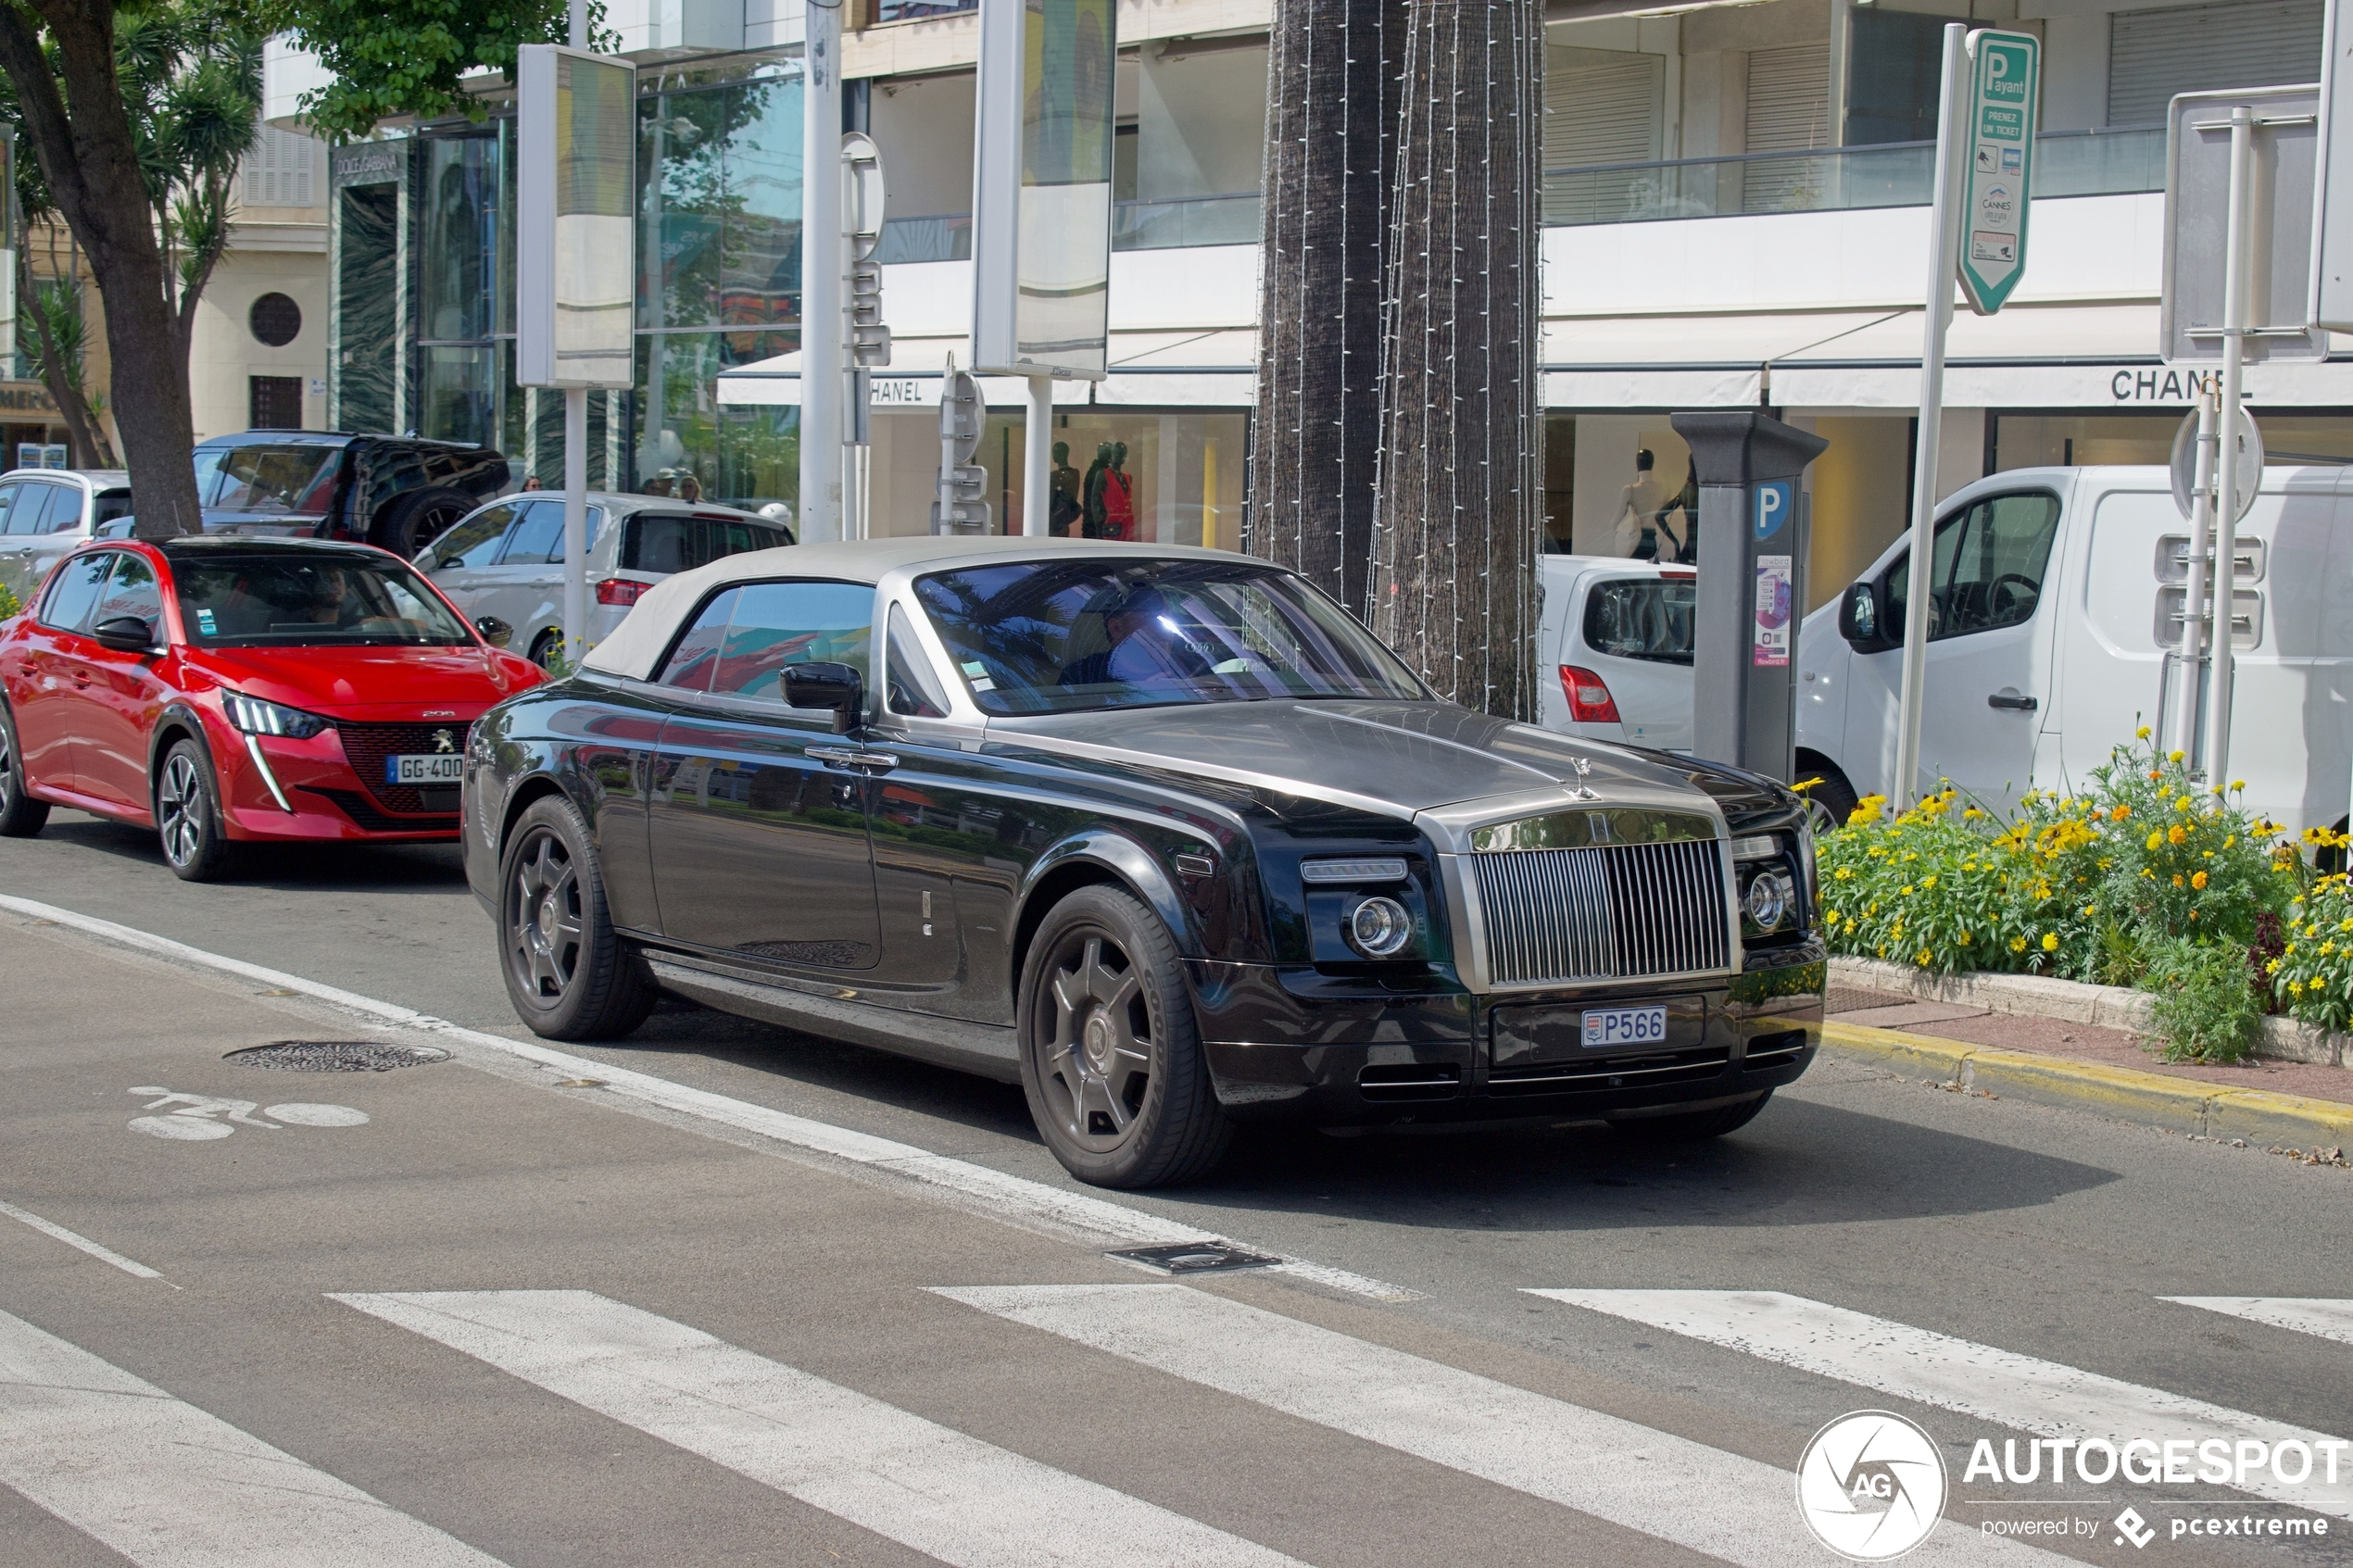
1160	832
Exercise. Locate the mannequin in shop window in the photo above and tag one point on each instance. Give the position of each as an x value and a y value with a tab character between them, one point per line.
1683	548
1119	496
1632	534
1091	494
1062	508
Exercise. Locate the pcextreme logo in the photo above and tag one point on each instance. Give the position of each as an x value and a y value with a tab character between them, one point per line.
1872	1485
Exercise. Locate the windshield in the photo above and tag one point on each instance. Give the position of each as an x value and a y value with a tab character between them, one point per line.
1073	635
290	599
296	479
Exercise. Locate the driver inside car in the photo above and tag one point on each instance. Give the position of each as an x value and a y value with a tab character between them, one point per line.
1145	646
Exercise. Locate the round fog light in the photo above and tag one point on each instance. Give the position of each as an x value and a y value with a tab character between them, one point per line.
1380	928
1768	897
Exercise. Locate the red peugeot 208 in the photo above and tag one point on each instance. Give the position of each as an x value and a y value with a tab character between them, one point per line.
225	689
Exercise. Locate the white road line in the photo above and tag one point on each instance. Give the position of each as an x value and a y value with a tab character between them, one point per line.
1014	1198
925	1486
104	1254
167	1486
2304	1314
1735	1508
2023	1392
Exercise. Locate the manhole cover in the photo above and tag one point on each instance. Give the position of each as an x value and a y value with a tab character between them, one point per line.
1196	1258
335	1056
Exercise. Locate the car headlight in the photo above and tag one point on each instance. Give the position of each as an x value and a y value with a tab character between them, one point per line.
1767	892
256	717
1378	927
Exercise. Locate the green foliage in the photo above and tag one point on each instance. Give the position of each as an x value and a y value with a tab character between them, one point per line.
2313	976
405	57
9	604
2204	1004
2146	879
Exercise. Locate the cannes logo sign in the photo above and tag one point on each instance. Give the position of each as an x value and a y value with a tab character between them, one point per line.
1872	1485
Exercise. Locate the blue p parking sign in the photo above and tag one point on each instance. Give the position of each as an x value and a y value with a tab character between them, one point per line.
1775	499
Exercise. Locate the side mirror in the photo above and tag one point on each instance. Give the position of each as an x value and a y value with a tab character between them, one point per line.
827	685
494	631
125	634
1862	618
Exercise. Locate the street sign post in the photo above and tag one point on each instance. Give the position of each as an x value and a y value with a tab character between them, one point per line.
2241	183
2005	80
960	506
864	199
575	256
821	285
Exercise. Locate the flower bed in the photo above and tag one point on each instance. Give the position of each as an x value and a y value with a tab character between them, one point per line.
2147	878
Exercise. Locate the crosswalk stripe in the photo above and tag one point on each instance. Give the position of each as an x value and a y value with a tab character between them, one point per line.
960	1499
2304	1314
2022	1392
169	1485
1735	1508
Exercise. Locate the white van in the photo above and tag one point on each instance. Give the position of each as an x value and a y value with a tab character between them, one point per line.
2055	614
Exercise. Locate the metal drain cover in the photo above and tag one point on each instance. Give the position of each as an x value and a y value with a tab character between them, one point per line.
1196	1258
335	1056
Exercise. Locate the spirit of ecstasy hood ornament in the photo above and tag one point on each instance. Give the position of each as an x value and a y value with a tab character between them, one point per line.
1583	791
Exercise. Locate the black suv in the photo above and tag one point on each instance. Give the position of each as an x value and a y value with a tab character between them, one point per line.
395	490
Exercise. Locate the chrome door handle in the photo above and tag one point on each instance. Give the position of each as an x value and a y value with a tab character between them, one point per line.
854	756
2022	704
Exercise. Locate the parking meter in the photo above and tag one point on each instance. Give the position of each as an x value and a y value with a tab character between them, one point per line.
1752	586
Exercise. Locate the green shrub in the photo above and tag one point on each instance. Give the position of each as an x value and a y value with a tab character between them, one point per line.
9	604
2204	1007
2313	976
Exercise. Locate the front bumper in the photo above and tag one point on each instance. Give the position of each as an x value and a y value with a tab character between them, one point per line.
1289	1044
316	779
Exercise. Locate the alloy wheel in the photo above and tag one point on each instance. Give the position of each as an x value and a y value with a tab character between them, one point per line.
544	920
180	809
1096	1059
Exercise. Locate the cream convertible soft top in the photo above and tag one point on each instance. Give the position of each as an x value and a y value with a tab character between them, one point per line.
633	649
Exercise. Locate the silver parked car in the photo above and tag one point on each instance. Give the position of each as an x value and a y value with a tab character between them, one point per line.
504	563
46	512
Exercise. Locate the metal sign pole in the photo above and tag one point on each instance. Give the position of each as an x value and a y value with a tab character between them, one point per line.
821	321
2186	739
576	628
1943	262
1038	459
2238	246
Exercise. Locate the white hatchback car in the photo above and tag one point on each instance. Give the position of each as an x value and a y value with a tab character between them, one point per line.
46	512
1615	639
504	563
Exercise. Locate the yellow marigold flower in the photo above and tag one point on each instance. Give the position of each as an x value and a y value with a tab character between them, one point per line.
2176	834
2050	941
2175	755
1845	873
2229	839
2090	909
1906	890
2141	733
2017	943
2327	948
1923	959
2153	773
2183	804
2157	841
2198	880
2120	813
2238	785
2177	879
1964	938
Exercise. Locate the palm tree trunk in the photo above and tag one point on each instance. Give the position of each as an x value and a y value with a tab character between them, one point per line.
1462	479
1331	133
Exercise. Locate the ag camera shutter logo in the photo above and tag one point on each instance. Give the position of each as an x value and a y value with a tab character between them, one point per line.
1872	1485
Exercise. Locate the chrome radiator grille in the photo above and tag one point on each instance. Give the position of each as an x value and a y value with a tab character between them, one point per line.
1618	913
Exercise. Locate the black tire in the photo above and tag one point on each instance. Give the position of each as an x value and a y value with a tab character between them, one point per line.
570	976
21	815
409	522
1834	796
1118	1107
188	821
543	647
1692	1126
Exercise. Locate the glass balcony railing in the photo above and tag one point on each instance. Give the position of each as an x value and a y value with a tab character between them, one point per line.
1136	225
2069	163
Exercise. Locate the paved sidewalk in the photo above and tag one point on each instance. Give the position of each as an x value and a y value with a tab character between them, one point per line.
2081	1042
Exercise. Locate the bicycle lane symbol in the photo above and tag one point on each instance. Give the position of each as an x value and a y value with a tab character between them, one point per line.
195	1118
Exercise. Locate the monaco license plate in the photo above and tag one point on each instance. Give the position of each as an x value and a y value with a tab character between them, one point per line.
1615	1028
425	768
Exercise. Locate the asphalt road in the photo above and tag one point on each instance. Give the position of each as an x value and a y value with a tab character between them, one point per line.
523	1315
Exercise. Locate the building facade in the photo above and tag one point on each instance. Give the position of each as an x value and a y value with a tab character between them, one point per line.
1736	209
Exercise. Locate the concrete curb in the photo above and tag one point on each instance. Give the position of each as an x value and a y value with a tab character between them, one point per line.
2150	1099
2039	995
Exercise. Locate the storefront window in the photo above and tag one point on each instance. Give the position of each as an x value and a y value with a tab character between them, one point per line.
2024	441
458	232
744	455
457	394
718	172
1631	489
